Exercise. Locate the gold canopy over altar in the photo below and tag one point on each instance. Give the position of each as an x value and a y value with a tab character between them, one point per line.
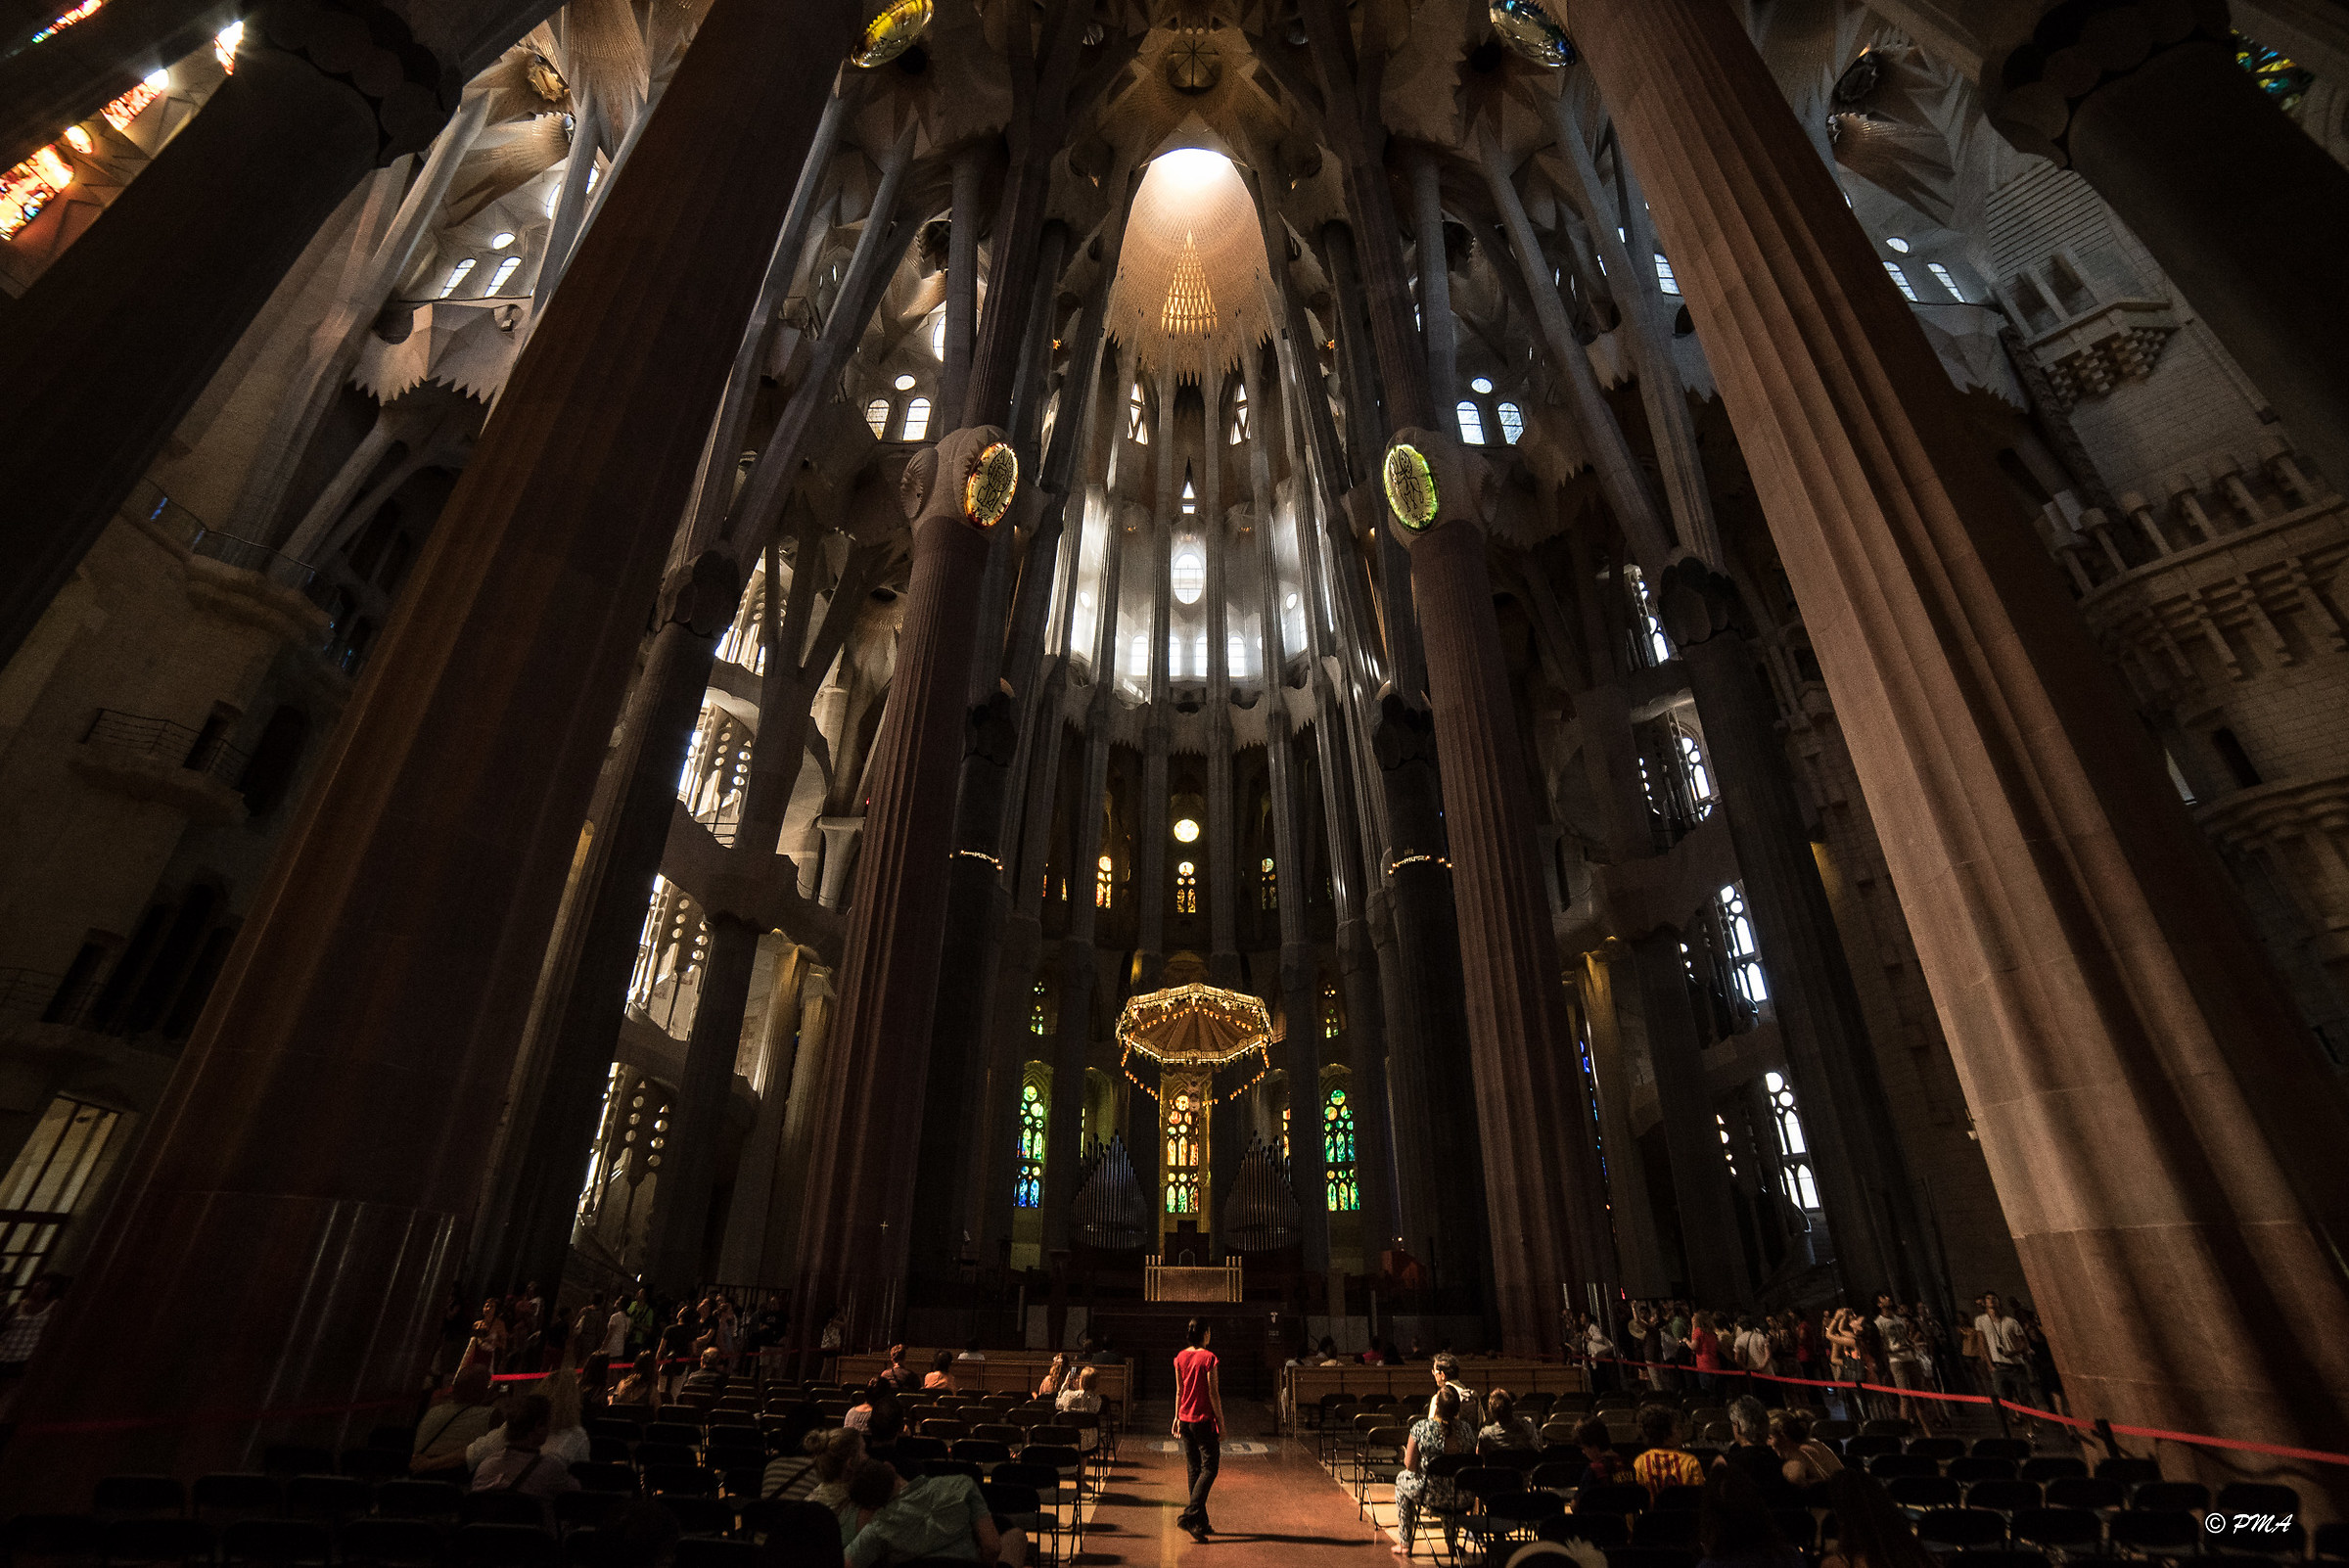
1198	1032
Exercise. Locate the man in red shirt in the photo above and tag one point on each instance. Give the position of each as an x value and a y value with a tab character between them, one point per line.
1199	1422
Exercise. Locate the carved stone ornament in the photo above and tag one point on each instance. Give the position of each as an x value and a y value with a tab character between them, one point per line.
369	49
2077	48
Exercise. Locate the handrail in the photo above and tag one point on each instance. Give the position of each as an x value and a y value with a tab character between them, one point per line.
198	751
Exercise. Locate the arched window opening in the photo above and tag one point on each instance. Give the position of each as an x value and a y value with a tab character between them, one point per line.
938	335
1186	889
876	414
1138	421
456	275
1235	655
1190	575
1472	423
1795	1150
1034	1121
1190	495
1512	424
1337	1149
1105	884
1941	275
1267	886
1899	280
1240	415
917	420
1738	938
1649	646
1665	279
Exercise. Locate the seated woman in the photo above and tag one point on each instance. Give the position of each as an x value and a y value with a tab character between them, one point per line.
1805	1461
889	1519
1503	1427
1870	1530
1077	1398
1440	1431
640	1389
942	1371
1054	1377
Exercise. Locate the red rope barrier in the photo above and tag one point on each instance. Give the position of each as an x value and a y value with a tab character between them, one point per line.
2161	1434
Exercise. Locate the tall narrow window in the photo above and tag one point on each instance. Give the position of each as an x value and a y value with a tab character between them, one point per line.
1035	1010
505	270
917	420
1186	889
456	275
1649	644
1512	424
876	414
1899	280
1267	886
1183	1156
46	1185
1793	1149
1137	662
1728	1150
1472	423
1190	498
1942	276
1190	575
1337	1148
1331	1020
1199	655
937	336
1138	421
1034	1124
1664	278
1105	886
1738	935
1240	415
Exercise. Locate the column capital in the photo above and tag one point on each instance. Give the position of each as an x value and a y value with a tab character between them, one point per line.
369	48
2078	47
1697	603
702	594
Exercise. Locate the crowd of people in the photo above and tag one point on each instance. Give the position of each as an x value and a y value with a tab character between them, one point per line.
518	1333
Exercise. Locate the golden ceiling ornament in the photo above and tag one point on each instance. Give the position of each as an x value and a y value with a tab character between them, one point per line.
890	33
1527	28
1411	486
988	487
1197	1029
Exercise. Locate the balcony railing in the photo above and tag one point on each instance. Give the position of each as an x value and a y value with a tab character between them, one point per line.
205	752
260	559
29	994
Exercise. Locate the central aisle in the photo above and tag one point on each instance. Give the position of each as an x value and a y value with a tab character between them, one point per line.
1273	1504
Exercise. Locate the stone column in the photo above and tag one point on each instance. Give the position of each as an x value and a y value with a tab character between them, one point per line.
297	1205
1700	1179
857	1217
1540	1180
111	346
817	1000
2154	1117
962	279
742	1253
1643	1271
2243	211
1436	324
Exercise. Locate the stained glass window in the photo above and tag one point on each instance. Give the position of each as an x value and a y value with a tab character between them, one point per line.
1030	1191
1240	415
1472	423
1337	1148
2280	78
1186	889
876	414
917	420
505	270
1649	644
122	111
1105	884
1189	576
1183	1156
1267	886
30	186
456	275
66	19
1512	424
1137	424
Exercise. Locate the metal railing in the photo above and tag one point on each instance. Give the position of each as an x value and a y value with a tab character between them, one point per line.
198	751
260	559
29	993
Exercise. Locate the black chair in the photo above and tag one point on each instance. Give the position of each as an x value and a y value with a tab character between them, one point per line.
159	1541
597	1476
1918	1492
1871	1446
2256	1537
701	1516
607	1450
2153	1532
2004	1496
1666	1527
666	1454
1999	1559
734	1456
418	1499
2054	1467
1649	1557
55	1538
331	1497
684	1432
502	1507
681	1480
503	1545
1938	1447
2258	1498
2094	1491
1555	1475
276	1540
954	1467
583	1510
1017	1492
917	1452
1889	1467
1619	1498
709	1551
2332	1542
138	1496
2190	1496
1960	1529
388	1543
236	1495
1981	1467
623	1428
1799	1528
1689	1499
2056	1528
2127	1470
298	1458
1898	1426
2002	1448
1606	1531
375	1464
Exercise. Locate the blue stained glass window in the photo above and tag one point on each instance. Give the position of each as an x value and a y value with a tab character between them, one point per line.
1030	1191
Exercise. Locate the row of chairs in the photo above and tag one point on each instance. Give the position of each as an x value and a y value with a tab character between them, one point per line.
74	1541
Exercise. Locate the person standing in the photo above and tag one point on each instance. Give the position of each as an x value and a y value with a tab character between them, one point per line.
1902	1355
2007	1349
1199	1422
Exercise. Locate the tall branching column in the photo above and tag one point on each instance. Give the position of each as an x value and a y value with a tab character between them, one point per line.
299	1204
2154	1117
